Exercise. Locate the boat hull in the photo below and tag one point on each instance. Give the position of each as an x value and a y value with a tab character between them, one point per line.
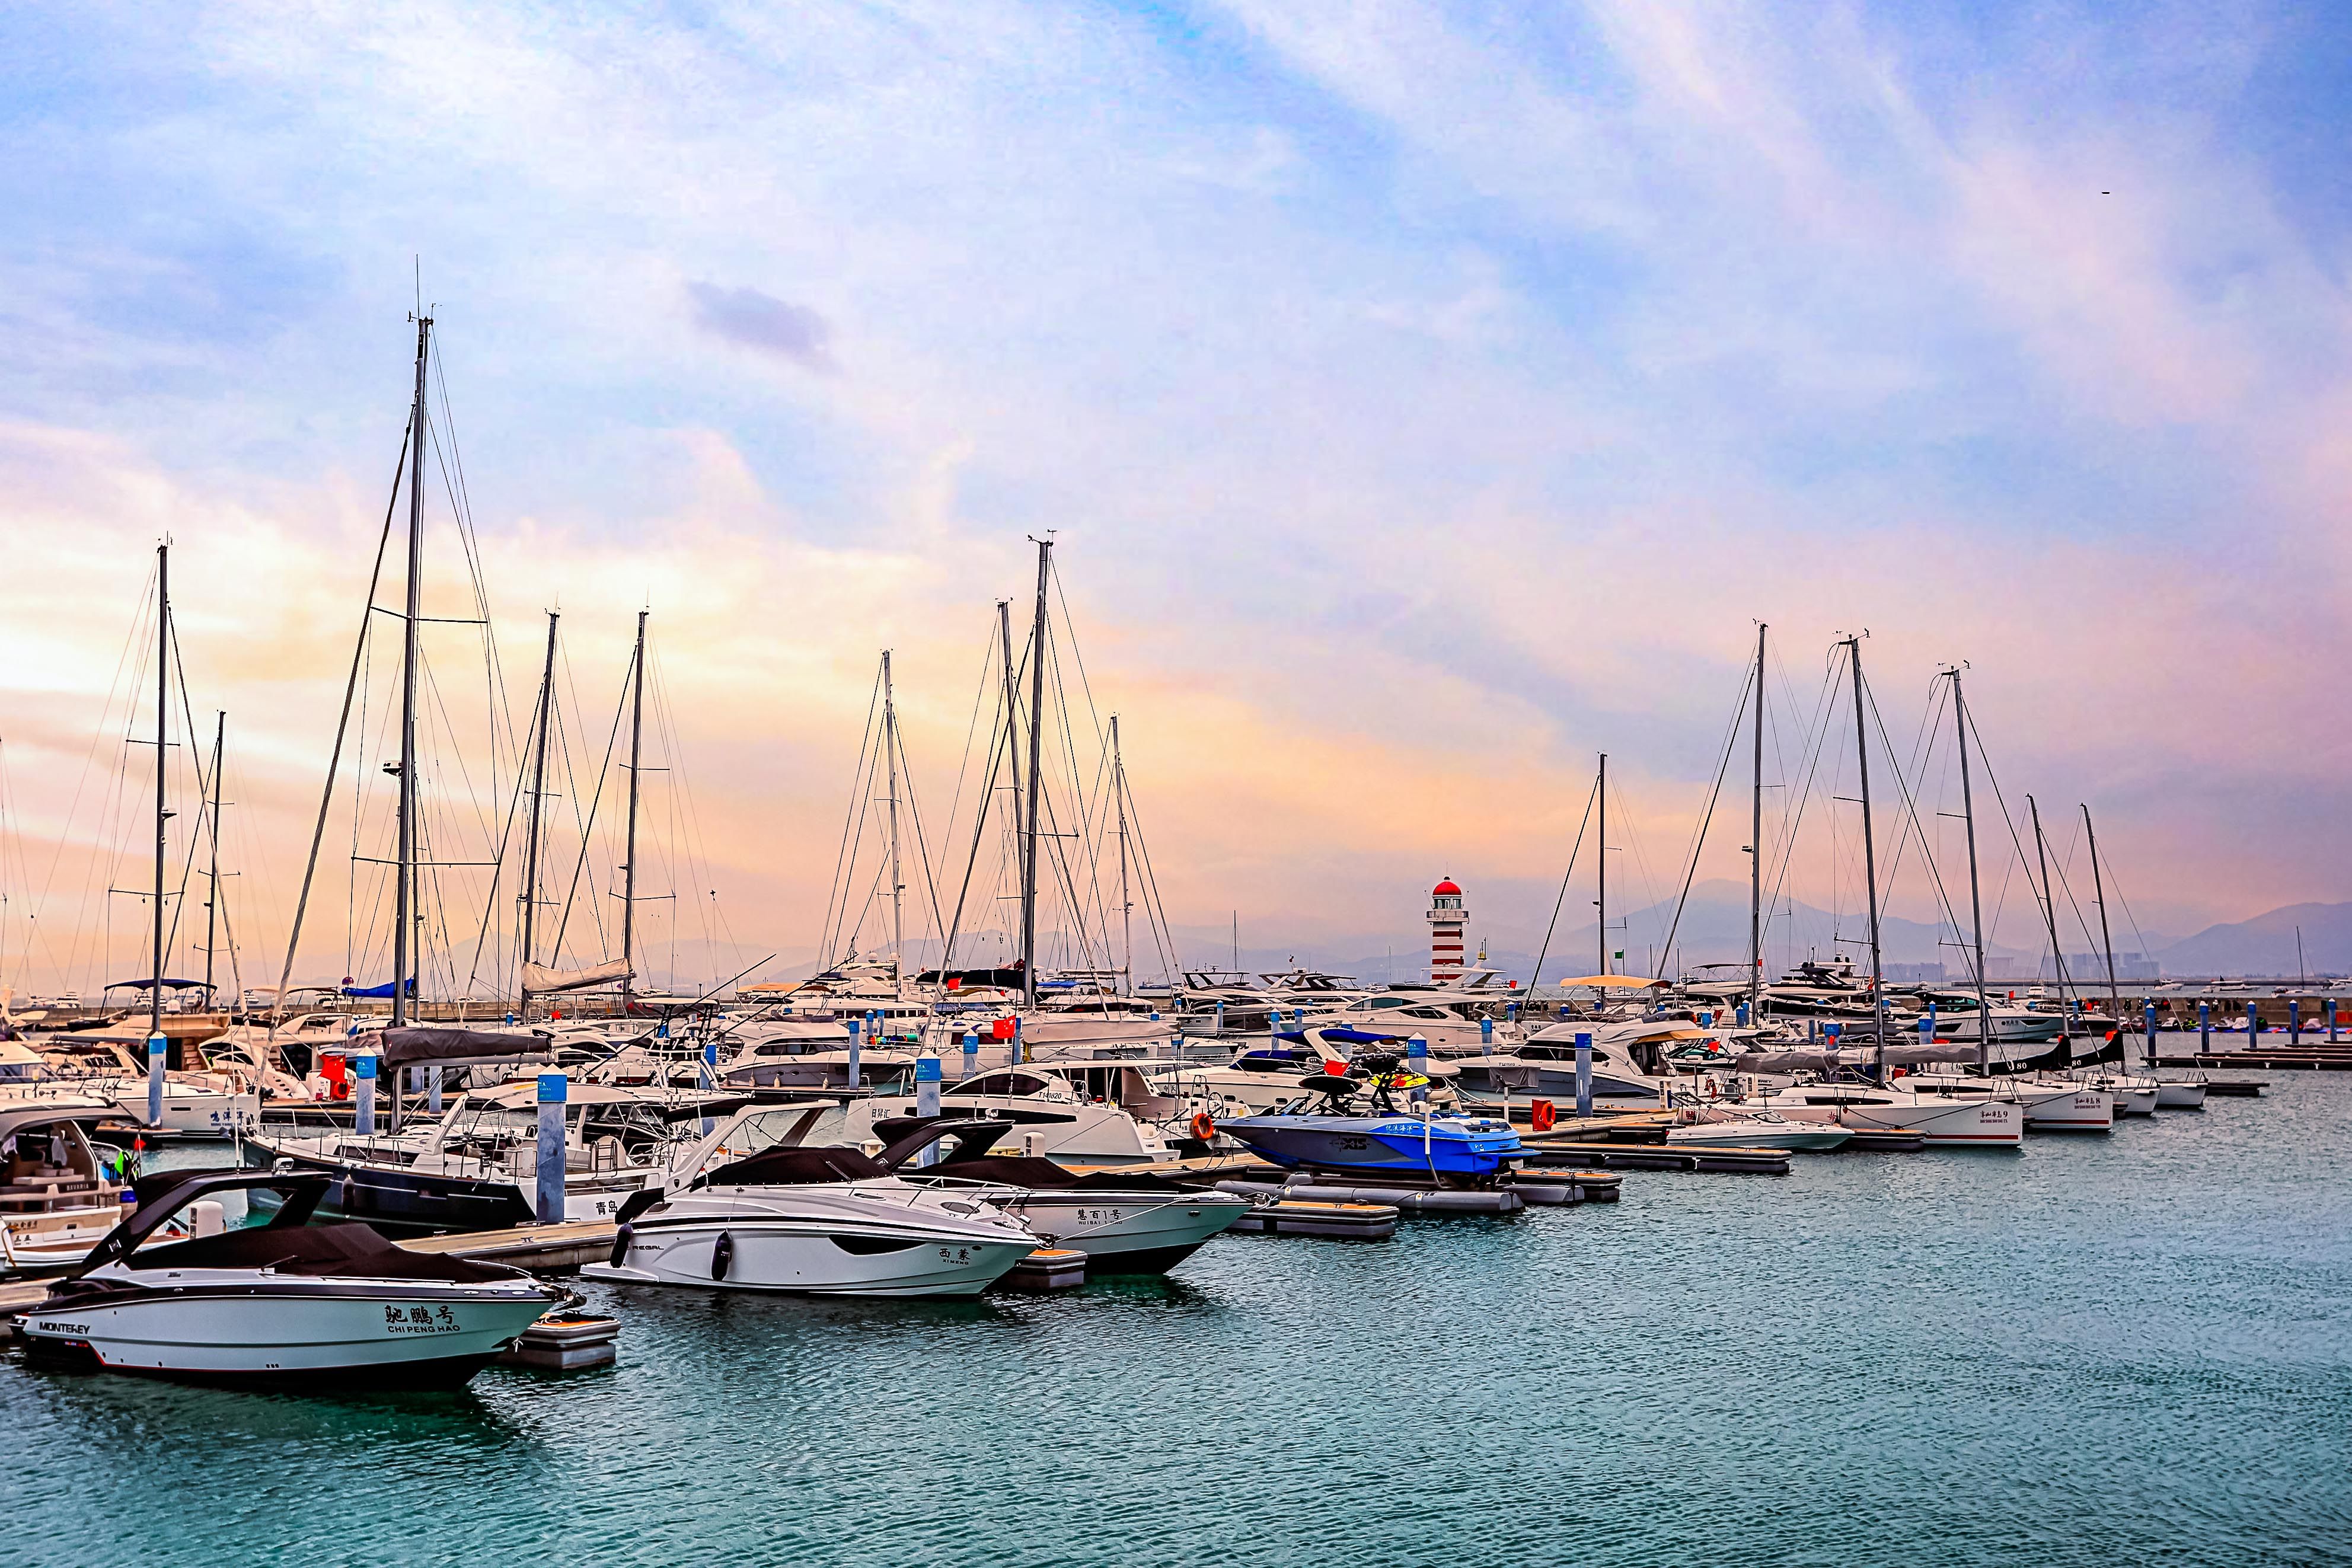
291	1333
1941	1123
1127	1233
1398	1144
798	1257
2179	1096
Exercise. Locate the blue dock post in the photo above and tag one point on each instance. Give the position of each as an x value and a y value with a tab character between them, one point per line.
433	1089
2331	1021
2253	1024
363	1096
709	1074
553	1090
1927	1023
1583	1073
2204	1027
2148	1013
2295	1020
159	1055
1416	1063
1016	1040
1486	1037
1741	1014
856	1028
970	1053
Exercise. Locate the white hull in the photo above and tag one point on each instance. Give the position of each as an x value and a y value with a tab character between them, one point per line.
1107	1227
805	1256
2179	1096
1940	1121
291	1329
2068	1110
1810	1137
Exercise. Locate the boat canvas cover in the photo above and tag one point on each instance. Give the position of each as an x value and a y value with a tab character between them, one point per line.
340	1249
455	1047
538	980
793	1166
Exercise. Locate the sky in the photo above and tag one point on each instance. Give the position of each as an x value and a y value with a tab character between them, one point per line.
1423	400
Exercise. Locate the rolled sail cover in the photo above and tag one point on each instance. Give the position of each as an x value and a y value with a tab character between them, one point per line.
454	1047
538	980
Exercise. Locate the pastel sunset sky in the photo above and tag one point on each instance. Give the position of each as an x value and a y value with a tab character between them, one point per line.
1424	398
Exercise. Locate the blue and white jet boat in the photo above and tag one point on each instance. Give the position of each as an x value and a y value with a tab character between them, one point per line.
1324	1131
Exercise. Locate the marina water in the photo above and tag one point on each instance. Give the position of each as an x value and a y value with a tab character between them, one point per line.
2132	1348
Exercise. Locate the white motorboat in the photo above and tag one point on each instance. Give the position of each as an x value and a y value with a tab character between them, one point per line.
1047	1109
113	1066
2179	1094
57	1199
476	1168
289	1302
1723	1127
1124	1222
817	1221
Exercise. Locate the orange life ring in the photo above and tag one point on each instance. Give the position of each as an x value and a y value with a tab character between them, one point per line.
1204	1127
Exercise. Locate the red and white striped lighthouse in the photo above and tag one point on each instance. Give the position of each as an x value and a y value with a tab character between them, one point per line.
1446	918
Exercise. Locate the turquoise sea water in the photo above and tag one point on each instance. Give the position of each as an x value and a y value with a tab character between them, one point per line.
2119	1350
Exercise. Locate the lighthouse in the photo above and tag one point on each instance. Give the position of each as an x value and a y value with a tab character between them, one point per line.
1446	918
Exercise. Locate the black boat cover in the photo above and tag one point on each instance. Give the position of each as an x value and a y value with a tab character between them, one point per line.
336	1248
795	1167
409	1047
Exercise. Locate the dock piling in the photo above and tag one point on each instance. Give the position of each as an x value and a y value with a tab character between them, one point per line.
554	1088
159	1055
363	1095
1583	1073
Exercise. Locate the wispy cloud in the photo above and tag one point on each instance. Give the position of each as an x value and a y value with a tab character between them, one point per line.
761	321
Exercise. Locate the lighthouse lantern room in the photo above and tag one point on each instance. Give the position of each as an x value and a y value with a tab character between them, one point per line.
1446	919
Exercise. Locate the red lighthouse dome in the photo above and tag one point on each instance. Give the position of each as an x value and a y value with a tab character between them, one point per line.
1445	886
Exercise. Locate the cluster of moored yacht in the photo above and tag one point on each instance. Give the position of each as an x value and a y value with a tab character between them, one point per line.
813	1139
880	1129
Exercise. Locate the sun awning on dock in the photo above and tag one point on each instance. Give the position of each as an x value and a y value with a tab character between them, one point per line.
1611	982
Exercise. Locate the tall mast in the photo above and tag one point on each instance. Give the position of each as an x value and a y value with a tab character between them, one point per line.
538	795
2050	919
211	900
897	918
1601	898
629	868
1976	896
1012	710
1036	740
1869	847
1126	907
2099	892
403	897
163	738
1756	852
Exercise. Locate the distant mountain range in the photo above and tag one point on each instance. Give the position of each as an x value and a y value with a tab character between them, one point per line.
2266	945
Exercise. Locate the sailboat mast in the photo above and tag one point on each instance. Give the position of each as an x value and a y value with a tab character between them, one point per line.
629	868
1125	905
538	795
1869	848
1011	711
163	738
1601	894
211	900
2099	893
403	897
898	888
1976	896
1756	852
1036	740
2050	917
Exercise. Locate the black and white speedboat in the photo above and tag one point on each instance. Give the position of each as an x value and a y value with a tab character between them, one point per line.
288	1302
1126	1222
